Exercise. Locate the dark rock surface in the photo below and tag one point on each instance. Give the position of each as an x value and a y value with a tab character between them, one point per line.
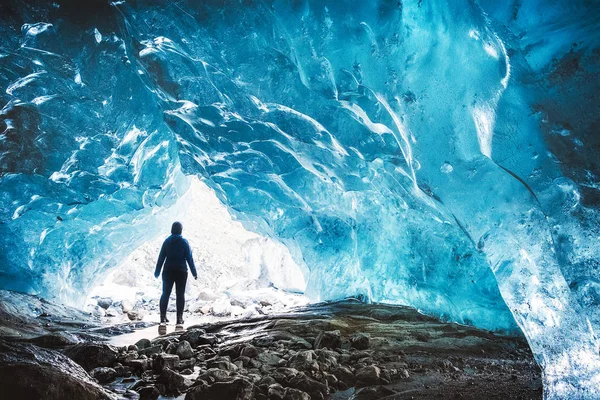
31	372
91	355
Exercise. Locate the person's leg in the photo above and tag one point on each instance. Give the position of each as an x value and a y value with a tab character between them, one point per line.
168	280
180	291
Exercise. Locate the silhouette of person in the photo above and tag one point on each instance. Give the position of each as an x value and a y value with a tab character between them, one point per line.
174	254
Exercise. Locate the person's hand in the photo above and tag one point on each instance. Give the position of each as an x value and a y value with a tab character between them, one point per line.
196	278
156	275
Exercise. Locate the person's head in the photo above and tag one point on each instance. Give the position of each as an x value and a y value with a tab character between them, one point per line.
176	228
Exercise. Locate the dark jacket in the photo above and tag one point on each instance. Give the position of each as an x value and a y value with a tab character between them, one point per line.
174	253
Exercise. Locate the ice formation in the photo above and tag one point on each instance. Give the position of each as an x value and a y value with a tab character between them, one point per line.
430	153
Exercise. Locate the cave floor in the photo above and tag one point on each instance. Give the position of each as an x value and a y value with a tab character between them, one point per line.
340	350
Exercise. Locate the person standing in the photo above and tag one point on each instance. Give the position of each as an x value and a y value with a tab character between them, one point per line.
175	253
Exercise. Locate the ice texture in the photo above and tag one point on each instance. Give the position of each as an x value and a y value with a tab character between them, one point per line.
439	154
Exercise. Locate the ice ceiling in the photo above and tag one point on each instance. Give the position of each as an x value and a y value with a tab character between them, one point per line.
438	154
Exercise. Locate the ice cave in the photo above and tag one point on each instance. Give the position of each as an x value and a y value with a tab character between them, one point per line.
439	155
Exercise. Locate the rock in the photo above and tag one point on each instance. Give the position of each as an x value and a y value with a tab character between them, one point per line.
187	364
139	366
215	375
295	394
187	371
170	383
135	315
276	392
92	354
127	356
163	361
105	302
207	339
99	312
224	365
184	350
360	341
31	372
149	393
148	351
330	339
55	340
193	336
304	361
126	306
104	374
143	344
344	374
238	389
268	358
314	388
372	393
249	351
369	375
132	347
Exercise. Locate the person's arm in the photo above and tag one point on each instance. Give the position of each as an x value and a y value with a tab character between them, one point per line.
190	260
161	259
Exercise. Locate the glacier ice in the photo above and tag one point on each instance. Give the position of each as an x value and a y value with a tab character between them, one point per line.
436	154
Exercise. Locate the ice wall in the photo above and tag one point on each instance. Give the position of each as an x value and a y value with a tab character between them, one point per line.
435	154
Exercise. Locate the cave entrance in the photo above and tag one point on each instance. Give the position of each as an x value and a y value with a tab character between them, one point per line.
240	273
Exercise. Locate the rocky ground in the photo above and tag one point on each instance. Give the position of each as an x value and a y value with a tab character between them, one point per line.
343	350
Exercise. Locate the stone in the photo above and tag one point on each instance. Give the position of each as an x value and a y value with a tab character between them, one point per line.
187	364
149	393
31	372
103	374
304	361
329	339
276	392
360	341
143	344
132	347
268	358
369	375
207	339
163	361
127	356
223	364
105	302
373	393
295	394
238	389
171	383
192	336
184	350
92	354
249	351
139	366
314	388
148	351
344	374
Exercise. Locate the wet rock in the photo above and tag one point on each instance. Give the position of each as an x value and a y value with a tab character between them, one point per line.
276	392
329	339
207	339
104	374
223	364
187	371
91	355
187	364
148	351
249	351
184	350
171	348
295	394
132	347
212	375
268	358
372	393
143	344
31	372
244	360
55	340
314	388
238	389
149	393
170	383
139	366
127	356
344	374
304	360
163	361
192	336
369	375
360	341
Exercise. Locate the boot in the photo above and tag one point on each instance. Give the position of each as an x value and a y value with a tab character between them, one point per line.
180	319
163	319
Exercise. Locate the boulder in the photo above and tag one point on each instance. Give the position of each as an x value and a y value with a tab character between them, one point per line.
249	351
314	388
329	339
92	354
105	302
149	393
304	361
143	344
31	372
148	351
193	336
184	350
360	341
295	394
369	375
238	389
163	361
104	374
171	383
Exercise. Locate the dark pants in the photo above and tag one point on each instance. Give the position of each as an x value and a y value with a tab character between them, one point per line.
170	277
